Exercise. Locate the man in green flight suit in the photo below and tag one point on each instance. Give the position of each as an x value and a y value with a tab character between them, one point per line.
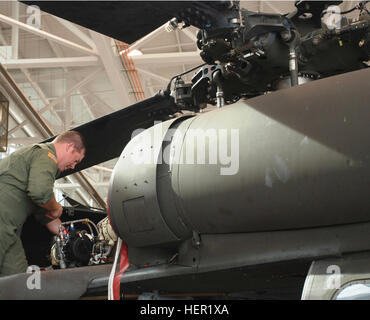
27	178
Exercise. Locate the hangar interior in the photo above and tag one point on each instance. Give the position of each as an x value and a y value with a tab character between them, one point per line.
56	75
71	75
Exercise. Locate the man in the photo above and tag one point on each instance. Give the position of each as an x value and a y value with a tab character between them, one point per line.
27	178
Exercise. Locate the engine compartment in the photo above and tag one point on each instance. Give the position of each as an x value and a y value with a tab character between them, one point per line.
85	239
74	246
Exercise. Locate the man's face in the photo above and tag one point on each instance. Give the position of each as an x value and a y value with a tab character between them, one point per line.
71	157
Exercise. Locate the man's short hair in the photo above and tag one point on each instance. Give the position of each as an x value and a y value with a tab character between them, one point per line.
72	137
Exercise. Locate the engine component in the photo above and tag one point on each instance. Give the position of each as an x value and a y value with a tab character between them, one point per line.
75	248
106	232
258	49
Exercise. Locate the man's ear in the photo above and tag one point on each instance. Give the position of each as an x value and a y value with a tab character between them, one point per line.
70	146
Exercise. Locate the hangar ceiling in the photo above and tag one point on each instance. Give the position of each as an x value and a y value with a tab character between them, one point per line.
72	75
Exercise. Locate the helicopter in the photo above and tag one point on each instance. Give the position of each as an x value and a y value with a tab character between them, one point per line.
258	198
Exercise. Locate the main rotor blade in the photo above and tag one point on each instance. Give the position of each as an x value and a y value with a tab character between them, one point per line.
106	137
127	21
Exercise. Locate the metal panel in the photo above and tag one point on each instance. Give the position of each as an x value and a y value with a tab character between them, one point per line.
135	177
302	158
135	214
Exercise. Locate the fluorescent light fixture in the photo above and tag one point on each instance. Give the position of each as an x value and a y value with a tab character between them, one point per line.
132	53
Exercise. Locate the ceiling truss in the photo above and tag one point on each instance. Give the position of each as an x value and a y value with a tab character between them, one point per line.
72	75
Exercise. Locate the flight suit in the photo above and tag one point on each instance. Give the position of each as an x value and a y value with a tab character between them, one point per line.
27	179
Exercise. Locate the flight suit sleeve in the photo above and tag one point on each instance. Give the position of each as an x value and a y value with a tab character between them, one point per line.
41	178
40	215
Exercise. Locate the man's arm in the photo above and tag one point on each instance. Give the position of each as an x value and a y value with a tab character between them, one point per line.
54	209
43	169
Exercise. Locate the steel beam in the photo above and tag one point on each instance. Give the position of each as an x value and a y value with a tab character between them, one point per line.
53	75
173	58
190	35
40	93
31	113
77	186
78	85
153	75
171	46
103	169
25	105
24	141
34	85
17	120
39	123
59	99
15	30
114	68
77	32
86	61
47	35
58	52
107	108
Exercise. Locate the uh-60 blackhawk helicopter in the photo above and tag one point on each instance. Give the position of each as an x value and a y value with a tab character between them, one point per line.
287	213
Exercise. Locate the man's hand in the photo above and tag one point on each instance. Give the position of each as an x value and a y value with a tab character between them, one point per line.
53	226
